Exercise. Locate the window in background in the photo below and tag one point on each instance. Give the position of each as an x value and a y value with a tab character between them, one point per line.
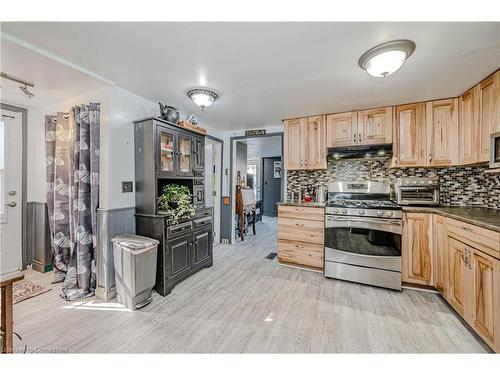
251	178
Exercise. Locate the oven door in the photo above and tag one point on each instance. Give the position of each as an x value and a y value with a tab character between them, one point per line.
363	241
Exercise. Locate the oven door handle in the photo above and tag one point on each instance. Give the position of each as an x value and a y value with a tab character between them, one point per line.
386	225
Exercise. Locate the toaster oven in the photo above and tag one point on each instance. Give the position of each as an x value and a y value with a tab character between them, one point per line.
417	191
495	150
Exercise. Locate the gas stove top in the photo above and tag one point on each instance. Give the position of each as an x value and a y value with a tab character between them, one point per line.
362	203
366	198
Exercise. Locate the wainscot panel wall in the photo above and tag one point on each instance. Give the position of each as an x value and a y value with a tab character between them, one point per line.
459	186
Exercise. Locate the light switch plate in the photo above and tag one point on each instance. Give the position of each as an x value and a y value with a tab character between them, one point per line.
127	186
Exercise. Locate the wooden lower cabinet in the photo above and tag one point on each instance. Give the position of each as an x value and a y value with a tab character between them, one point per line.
474	287
301	236
457	271
486	298
440	255
306	254
417	249
462	261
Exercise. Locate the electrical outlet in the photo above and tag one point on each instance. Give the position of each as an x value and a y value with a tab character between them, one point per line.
127	186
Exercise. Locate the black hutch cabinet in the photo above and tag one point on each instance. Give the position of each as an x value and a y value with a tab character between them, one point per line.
166	154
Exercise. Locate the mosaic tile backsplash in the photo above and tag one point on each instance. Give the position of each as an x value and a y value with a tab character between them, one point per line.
459	186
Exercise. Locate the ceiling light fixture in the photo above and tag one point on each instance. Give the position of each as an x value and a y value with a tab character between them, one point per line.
386	58
202	97
24	84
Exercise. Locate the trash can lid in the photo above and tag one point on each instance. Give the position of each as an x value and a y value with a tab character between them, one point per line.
134	242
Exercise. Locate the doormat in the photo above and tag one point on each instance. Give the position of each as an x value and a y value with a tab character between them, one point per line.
271	256
23	290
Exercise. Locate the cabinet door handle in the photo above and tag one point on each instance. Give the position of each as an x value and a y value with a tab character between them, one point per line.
466	228
299	246
359	137
469	259
355	138
430	158
299	224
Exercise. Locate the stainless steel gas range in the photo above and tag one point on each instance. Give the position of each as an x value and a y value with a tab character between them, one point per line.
363	230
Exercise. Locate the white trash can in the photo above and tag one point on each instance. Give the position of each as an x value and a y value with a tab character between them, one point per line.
135	269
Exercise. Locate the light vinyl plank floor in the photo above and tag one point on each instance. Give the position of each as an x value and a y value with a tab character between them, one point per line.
248	304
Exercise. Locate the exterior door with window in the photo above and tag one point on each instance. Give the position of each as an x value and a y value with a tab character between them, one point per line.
10	192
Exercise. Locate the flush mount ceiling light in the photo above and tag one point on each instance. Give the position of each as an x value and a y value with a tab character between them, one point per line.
386	58
202	97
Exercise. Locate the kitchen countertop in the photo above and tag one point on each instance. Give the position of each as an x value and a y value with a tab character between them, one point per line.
302	204
488	218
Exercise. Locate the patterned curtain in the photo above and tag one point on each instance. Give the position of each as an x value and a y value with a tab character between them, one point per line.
72	154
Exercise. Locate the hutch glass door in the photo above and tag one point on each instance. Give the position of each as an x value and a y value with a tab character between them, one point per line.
167	152
185	154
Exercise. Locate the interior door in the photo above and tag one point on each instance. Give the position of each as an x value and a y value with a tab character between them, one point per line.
10	192
271	191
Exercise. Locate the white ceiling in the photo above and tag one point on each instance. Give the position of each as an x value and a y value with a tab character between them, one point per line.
265	72
263	147
53	80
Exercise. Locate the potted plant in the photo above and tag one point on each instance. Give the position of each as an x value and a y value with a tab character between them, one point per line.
176	202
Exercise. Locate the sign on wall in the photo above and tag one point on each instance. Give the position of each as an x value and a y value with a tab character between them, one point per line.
255	132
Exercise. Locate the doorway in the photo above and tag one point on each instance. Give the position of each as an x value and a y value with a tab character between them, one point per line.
213	181
12	188
247	163
271	186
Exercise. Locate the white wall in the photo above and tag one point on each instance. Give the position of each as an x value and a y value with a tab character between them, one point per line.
119	108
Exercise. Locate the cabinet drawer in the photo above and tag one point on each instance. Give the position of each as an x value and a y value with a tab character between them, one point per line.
301	253
486	240
301	230
175	230
202	221
303	213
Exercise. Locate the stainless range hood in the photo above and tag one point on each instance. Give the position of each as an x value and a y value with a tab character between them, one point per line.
361	152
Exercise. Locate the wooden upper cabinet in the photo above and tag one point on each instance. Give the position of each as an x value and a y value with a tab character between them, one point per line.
410	137
341	129
496	105
293	143
305	143
417	254
442	132
468	126
375	126
488	108
316	143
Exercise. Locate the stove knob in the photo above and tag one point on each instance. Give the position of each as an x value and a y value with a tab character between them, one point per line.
344	211
335	210
361	212
380	213
389	213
